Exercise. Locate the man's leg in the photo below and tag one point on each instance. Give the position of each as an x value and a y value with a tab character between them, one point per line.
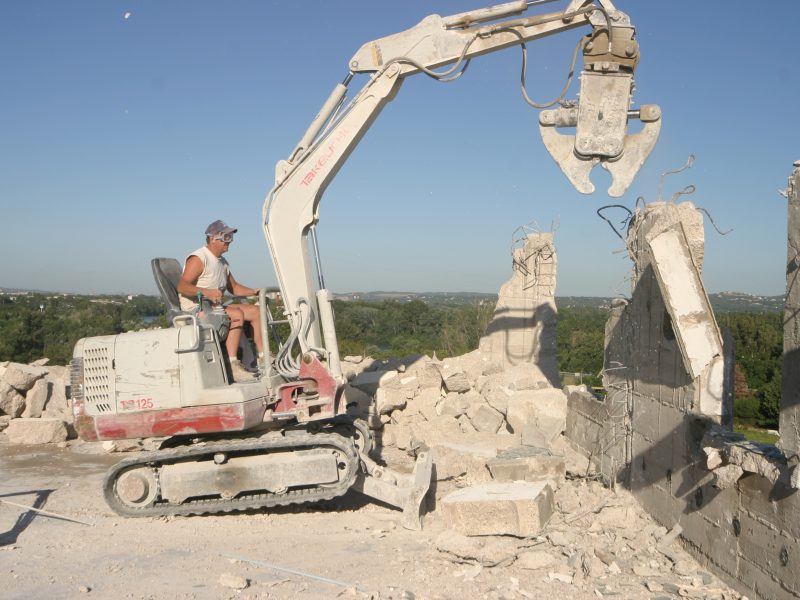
251	314
237	321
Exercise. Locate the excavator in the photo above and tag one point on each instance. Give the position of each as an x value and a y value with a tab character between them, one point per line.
286	436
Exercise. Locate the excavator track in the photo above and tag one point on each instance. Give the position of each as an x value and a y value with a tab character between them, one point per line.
337	440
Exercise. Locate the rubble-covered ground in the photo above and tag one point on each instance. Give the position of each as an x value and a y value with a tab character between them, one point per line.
597	544
543	525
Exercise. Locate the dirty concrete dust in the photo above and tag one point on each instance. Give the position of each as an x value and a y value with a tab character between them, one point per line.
598	544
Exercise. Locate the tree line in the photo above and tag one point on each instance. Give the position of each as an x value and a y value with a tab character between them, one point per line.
33	326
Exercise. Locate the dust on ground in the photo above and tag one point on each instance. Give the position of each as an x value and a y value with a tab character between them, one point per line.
598	544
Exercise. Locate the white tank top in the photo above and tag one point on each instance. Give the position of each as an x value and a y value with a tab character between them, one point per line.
214	276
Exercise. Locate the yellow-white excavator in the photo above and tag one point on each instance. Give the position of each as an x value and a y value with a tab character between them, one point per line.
286	437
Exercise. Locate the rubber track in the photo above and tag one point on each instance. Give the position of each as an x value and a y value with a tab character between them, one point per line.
244	501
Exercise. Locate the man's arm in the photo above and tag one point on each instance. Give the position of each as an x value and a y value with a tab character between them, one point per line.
187	286
237	289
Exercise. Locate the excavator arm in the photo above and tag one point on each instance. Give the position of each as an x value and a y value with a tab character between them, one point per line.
599	119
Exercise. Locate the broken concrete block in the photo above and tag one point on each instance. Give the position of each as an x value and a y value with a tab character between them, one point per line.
36	431
753	461
466	457
525	377
528	464
543	433
487	552
428	375
453	405
713	458
457	382
425	402
353	359
36	398
727	476
517	508
4	421
535	406
409	383
22	377
389	399
12	402
484	418
465	424
403	437
370	381
498	399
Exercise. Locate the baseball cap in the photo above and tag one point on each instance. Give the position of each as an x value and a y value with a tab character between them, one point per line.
218	227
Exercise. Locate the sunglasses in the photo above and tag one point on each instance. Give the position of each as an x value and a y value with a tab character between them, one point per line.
226	238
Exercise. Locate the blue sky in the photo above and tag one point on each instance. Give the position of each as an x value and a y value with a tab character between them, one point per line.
122	138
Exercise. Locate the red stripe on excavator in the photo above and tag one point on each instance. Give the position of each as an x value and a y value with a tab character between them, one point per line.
180	421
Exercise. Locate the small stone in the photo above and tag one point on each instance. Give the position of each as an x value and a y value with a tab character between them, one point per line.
713	458
559	538
727	476
654	586
536	559
606	557
684	568
235	582
671	587
457	382
84	589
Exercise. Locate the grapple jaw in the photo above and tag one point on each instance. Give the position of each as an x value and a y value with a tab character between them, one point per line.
600	118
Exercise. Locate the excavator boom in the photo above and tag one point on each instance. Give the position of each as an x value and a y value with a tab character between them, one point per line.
599	120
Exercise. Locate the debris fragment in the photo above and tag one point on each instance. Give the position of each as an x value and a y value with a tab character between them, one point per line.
235	582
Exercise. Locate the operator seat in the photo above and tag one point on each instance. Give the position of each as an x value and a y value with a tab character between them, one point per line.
167	272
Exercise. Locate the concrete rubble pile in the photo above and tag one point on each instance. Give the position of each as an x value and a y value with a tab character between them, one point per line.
492	418
33	403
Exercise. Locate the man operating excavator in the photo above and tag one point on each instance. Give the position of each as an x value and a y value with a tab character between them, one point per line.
207	273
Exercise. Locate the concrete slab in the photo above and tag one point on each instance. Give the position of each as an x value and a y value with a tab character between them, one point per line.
518	508
36	431
528	464
686	300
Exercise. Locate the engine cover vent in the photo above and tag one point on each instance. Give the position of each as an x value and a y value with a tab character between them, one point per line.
96	379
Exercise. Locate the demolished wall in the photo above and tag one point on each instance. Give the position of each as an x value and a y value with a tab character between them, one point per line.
660	430
790	373
523	329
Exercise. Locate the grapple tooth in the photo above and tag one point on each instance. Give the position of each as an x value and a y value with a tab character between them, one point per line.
637	148
561	148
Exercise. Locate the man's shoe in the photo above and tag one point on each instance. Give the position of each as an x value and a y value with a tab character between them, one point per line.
239	373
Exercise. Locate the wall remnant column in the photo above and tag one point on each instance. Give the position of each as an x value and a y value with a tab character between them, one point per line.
523	329
790	373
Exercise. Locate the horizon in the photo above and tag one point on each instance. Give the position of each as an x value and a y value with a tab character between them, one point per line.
12	290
